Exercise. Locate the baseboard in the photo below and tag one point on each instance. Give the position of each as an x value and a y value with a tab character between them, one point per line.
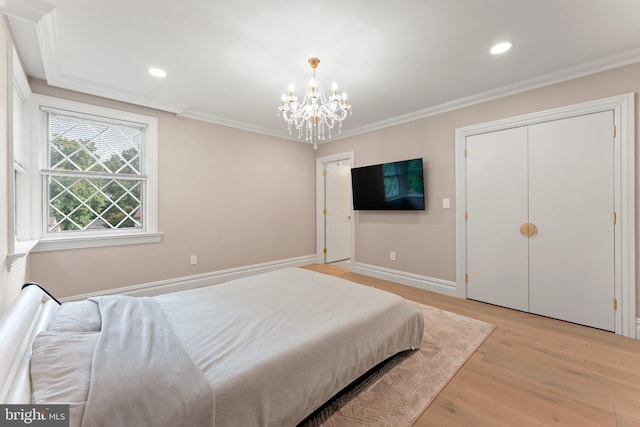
637	328
417	281
198	280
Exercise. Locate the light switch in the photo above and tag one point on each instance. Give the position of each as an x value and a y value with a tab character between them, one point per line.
445	203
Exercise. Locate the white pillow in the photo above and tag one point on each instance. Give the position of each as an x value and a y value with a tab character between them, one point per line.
77	316
61	370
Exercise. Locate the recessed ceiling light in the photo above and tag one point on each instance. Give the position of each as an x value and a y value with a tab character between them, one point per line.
501	48
157	72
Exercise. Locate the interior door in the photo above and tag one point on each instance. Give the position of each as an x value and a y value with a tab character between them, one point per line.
496	169
571	203
338	211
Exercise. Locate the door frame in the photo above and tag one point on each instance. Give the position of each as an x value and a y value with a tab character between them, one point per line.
624	195
320	191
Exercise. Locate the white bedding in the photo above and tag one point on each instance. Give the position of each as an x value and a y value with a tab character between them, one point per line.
276	346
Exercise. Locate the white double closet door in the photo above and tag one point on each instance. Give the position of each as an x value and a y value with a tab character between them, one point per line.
540	226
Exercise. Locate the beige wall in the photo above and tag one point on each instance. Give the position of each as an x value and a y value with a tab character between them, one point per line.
425	241
231	197
10	281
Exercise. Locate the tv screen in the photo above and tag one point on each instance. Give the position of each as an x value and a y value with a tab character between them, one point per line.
389	186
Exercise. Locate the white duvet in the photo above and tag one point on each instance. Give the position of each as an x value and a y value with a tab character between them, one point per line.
276	346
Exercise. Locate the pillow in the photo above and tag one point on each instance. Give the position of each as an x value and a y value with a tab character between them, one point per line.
77	316
61	369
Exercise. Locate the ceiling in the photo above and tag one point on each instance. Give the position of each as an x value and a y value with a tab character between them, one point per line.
229	62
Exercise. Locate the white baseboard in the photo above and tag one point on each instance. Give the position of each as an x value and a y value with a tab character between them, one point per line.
423	282
417	281
198	280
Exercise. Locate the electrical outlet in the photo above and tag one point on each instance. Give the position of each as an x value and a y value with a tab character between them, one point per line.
392	256
194	259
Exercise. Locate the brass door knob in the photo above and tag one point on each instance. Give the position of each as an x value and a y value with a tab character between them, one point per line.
528	229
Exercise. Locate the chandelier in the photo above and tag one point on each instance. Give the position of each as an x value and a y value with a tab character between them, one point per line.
315	116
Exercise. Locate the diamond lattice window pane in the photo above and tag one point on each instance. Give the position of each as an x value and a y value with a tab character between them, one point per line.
92	173
82	145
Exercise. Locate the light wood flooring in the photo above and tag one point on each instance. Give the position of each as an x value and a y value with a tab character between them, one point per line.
531	371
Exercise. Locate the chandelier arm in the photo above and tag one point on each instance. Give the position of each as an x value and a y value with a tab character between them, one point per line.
315	115
341	115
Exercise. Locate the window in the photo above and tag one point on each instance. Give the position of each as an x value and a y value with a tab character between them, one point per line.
21	241
93	175
97	175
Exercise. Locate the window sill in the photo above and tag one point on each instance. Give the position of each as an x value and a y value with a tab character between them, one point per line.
21	249
82	242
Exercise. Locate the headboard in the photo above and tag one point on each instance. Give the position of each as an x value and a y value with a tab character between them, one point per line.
28	315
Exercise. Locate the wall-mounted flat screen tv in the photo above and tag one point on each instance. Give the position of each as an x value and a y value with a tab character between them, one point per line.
389	186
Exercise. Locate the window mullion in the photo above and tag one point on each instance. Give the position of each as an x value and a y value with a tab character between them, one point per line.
96	175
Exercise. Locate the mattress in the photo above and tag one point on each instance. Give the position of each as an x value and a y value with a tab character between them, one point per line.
273	347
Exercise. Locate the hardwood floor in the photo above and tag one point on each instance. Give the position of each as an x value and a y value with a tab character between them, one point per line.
531	371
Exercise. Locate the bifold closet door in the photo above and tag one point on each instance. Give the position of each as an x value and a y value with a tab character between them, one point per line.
571	259
497	253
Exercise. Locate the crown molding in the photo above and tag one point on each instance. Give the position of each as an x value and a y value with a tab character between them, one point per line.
217	120
28	10
571	73
211	118
47	35
79	85
43	16
46	30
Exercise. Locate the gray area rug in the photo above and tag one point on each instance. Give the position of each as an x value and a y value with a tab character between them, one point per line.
397	392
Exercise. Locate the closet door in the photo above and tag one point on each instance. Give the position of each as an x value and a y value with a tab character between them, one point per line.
571	258
496	169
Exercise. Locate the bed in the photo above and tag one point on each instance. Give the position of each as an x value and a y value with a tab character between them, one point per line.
266	350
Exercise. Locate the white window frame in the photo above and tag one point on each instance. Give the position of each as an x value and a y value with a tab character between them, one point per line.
21	239
89	239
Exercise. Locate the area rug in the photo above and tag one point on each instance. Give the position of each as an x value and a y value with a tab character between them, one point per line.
398	391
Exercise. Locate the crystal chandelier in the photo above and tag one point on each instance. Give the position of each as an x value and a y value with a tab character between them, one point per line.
315	116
